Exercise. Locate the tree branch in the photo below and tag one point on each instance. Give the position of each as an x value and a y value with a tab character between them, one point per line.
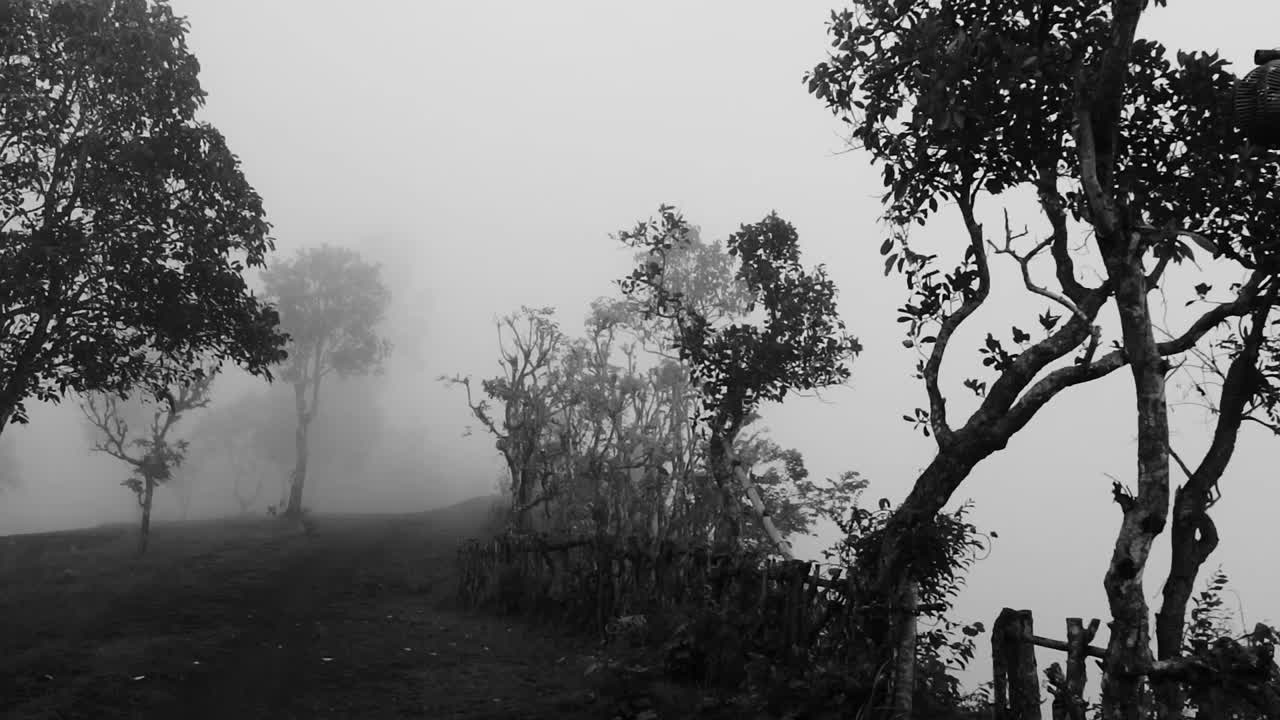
937	403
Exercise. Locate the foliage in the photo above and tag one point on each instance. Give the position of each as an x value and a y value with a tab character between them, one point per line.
797	343
801	344
331	302
125	223
596	433
1210	619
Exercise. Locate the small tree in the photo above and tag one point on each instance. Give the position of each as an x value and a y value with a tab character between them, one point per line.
331	303
800	344
125	223
149	452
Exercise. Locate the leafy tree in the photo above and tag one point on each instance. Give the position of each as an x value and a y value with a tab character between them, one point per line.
960	100
147	450
125	223
800	344
331	303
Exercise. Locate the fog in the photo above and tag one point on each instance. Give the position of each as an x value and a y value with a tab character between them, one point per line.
483	152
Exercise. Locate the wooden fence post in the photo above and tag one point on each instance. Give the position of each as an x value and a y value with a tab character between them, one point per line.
1015	682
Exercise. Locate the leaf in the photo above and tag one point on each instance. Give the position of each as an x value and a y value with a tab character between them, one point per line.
1205	243
886	246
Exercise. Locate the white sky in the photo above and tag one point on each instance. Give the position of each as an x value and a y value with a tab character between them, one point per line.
490	148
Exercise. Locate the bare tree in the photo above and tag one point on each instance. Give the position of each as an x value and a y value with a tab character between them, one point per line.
149	452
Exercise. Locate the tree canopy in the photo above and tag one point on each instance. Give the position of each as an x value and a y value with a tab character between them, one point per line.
125	222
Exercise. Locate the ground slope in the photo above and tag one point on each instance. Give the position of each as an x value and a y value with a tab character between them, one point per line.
253	619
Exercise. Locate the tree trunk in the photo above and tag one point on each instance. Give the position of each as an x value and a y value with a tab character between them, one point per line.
1189	554
1194	536
728	528
299	478
904	666
1145	512
148	494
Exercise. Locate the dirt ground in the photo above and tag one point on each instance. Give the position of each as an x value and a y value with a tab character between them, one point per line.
252	619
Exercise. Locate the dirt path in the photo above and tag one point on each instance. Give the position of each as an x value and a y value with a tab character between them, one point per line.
353	622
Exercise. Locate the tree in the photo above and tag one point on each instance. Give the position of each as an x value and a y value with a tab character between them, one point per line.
531	392
1108	131
125	223
149	453
331	303
800	344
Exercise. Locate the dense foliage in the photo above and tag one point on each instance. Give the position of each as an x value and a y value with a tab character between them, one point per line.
125	223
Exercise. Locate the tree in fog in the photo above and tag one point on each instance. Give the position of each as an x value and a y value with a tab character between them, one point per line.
125	223
799	344
331	303
138	433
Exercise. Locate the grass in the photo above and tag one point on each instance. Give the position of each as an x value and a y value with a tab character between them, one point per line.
250	618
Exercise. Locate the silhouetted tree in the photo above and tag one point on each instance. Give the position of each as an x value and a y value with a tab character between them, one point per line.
331	303
125	223
964	99
148	449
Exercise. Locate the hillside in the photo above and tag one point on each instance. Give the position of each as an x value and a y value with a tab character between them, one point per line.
250	618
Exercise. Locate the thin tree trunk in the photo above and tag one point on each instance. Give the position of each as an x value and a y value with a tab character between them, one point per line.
299	478
148	494
1194	536
1146	511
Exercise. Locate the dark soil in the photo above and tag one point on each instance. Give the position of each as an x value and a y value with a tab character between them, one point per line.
252	618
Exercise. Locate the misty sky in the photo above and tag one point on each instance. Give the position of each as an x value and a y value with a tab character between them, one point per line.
484	152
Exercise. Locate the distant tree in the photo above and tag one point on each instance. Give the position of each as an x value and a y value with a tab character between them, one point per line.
125	223
331	303
149	450
965	100
799	344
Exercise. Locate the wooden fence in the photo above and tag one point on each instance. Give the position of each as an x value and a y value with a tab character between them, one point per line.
788	608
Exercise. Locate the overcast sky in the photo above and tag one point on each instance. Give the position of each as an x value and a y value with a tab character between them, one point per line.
486	150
